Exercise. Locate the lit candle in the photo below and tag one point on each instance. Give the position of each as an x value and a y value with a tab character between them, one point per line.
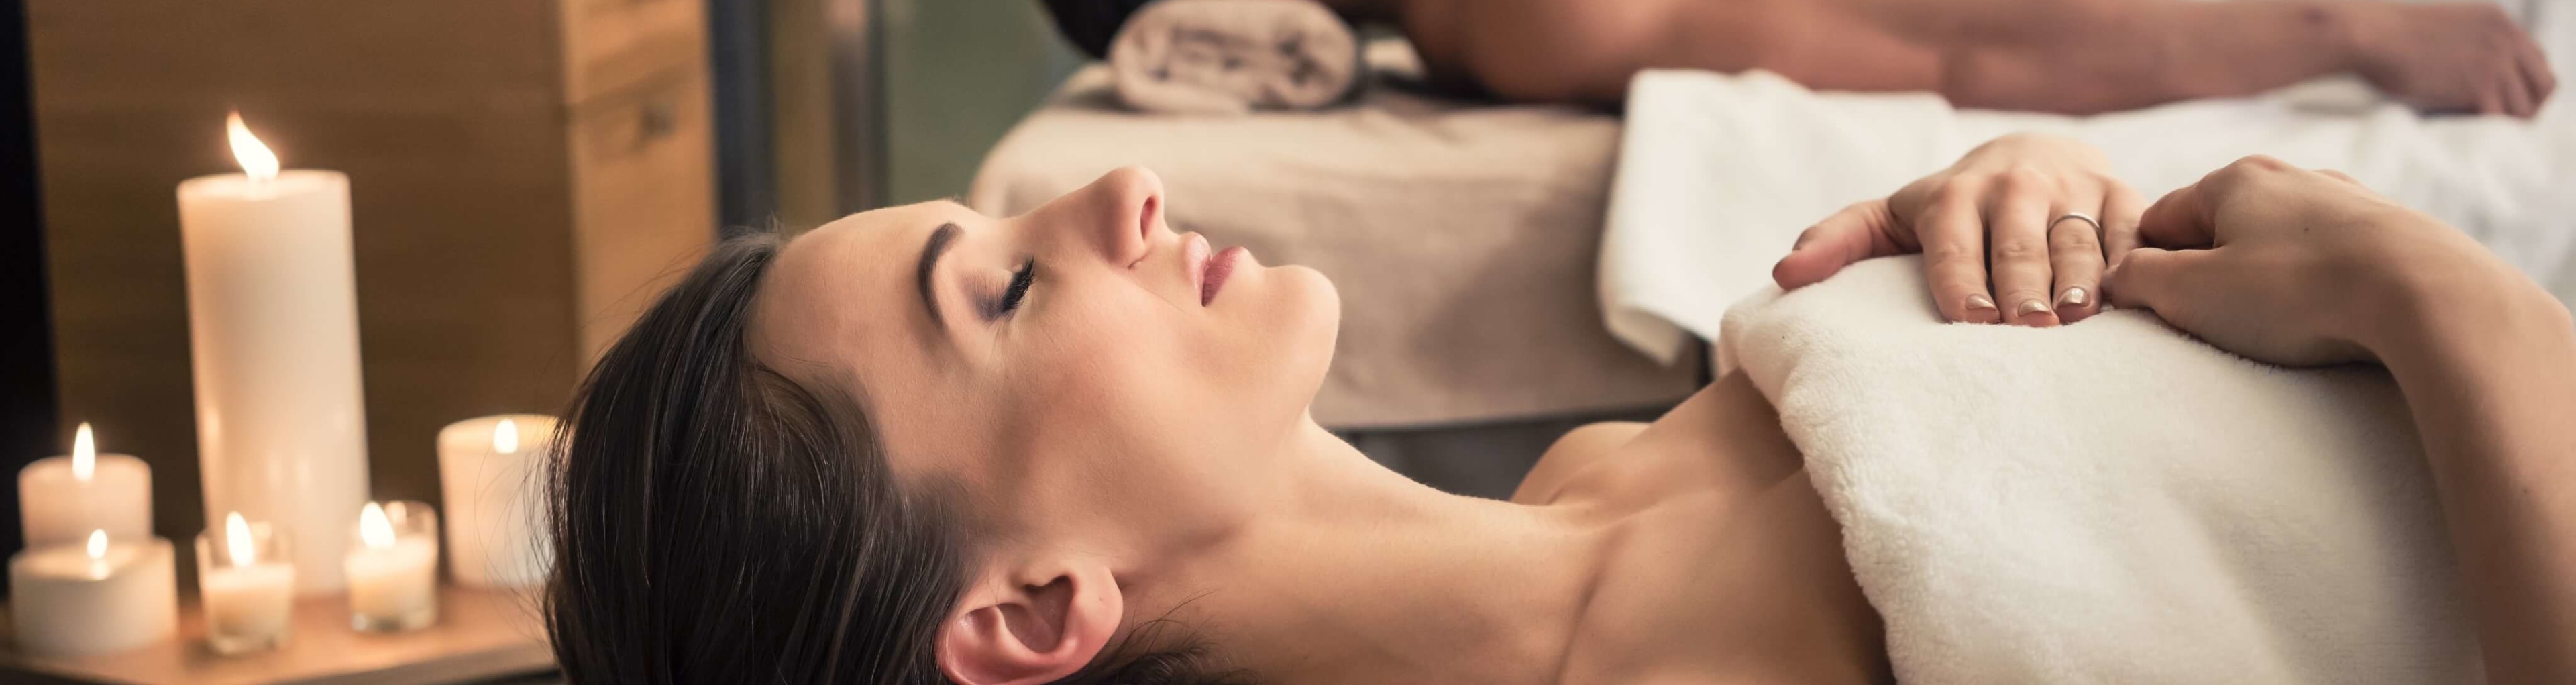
249	588
94	597
61	499
393	570
490	468
273	337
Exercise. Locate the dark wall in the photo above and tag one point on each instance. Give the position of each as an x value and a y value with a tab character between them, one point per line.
27	412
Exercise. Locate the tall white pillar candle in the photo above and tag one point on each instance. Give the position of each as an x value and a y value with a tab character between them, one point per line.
61	499
94	597
490	469
273	332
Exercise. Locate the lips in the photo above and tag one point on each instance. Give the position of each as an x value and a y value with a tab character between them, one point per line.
1219	266
1208	268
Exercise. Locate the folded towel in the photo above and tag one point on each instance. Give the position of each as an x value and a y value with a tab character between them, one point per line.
1234	56
2108	502
1718	173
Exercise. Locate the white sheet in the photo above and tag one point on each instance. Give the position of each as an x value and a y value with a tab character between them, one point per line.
1718	174
2110	502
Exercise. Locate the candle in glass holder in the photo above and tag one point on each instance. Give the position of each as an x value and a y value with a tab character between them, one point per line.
490	469
99	596
246	578
393	568
61	499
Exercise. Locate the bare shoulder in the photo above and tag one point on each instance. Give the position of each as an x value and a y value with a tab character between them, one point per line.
1726	434
1571	454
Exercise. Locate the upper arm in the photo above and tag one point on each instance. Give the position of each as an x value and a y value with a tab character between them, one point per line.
1587	51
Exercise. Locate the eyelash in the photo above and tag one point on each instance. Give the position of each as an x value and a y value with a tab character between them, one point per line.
1019	289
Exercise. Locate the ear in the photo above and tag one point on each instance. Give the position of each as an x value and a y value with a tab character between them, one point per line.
1029	625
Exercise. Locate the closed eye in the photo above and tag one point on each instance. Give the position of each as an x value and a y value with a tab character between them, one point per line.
1018	290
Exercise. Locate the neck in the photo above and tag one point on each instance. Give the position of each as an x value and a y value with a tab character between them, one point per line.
1363	575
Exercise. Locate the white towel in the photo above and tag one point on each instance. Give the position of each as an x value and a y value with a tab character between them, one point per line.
1718	174
2108	502
1234	56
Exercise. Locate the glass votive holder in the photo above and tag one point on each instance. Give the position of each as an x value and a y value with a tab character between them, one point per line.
393	568
246	582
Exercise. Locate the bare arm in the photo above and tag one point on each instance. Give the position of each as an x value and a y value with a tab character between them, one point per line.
2069	56
2301	267
2490	373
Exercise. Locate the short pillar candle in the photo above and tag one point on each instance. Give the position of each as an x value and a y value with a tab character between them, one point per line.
492	470
100	596
61	499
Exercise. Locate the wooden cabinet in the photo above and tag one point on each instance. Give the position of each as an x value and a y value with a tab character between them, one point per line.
526	176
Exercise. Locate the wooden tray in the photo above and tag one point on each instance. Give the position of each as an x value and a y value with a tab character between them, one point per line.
480	635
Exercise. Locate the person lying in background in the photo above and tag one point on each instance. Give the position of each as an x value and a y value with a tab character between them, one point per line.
2061	56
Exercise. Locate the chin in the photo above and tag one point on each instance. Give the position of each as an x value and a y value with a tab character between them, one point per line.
1314	319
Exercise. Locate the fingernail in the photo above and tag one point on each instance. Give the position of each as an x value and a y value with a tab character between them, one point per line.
1980	303
2073	297
2034	313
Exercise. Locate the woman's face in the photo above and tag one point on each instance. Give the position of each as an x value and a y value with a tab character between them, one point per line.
1075	367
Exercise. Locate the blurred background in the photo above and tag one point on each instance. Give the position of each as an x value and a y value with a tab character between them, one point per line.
524	175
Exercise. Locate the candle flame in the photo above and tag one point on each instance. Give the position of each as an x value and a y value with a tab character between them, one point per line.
98	544
237	540
505	439
255	158
84	453
374	529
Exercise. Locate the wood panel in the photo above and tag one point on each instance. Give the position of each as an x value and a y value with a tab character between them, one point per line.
613	46
644	195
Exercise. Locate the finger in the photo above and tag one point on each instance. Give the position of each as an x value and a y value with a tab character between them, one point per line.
2178	220
1858	232
2186	218
2536	72
2159	280
1954	255
2017	248
2120	211
2075	263
2515	94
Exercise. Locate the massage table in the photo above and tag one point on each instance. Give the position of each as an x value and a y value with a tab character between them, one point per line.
1461	236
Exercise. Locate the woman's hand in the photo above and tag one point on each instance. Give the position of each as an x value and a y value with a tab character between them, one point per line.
2000	232
2305	267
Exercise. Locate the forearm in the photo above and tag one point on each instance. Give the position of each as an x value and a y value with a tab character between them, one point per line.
2491	379
2085	56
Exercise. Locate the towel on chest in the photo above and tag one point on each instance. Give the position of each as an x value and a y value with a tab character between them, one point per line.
2111	501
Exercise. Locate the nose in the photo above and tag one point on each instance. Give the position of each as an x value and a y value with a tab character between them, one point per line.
1129	205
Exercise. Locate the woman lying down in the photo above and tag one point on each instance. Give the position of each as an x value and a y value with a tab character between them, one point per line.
919	445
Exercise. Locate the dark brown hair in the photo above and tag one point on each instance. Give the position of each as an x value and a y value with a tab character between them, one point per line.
715	521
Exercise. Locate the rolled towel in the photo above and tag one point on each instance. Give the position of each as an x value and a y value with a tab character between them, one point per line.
1234	56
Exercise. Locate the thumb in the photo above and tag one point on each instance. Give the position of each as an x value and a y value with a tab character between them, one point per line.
1857	232
2154	278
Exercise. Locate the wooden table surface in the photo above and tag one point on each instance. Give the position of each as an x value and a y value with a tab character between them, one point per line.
480	635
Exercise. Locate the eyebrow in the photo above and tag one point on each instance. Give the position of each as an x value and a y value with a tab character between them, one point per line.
930	252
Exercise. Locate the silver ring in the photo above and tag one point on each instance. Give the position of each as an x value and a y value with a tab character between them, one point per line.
2079	216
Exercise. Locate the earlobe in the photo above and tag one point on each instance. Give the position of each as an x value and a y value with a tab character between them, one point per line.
1030	628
